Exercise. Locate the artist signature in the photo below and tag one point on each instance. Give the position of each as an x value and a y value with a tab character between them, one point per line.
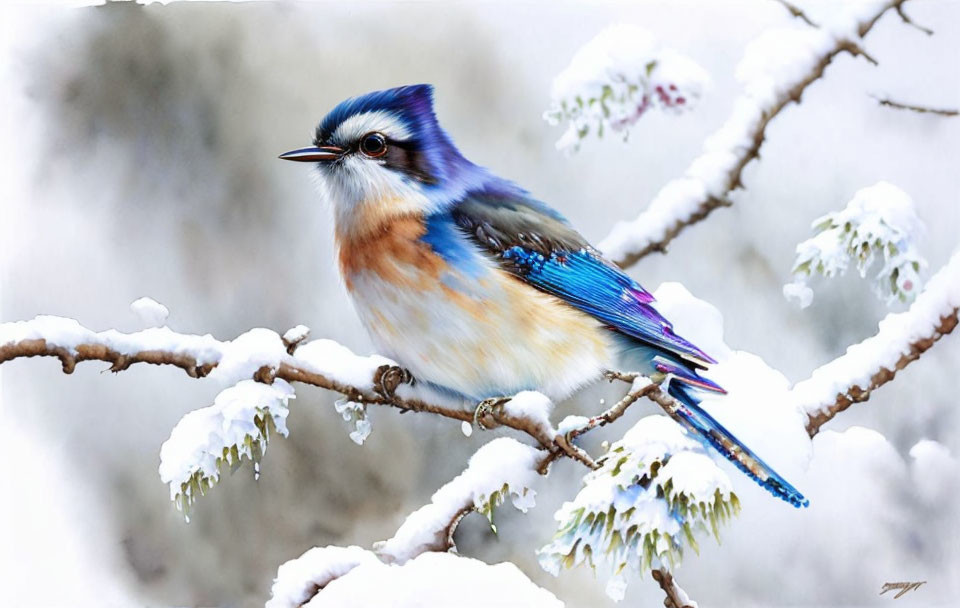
903	587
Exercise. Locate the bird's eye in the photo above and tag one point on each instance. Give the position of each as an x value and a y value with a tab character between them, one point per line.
373	145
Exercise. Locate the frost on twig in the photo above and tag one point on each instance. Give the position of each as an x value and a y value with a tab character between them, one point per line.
902	338
237	426
775	69
879	225
617	77
655	490
503	468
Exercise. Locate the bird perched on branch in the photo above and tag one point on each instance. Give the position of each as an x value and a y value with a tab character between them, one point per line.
481	290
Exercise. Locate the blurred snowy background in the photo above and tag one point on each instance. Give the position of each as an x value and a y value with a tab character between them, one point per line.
140	152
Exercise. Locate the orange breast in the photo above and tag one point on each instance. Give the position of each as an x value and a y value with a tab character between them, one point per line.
393	252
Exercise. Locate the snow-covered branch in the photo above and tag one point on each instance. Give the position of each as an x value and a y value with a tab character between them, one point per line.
776	69
902	338
502	468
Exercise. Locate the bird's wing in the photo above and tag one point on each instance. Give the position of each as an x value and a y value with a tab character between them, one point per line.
537	245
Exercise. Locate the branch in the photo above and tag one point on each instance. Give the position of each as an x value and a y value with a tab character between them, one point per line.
718	171
902	338
676	597
883	101
319	363
503	468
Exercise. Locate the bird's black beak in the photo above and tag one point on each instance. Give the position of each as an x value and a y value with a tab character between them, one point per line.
314	154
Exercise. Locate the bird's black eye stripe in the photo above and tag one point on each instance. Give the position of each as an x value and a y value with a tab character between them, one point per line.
373	145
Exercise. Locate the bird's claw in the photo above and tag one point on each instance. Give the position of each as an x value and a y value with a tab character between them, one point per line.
487	407
388	377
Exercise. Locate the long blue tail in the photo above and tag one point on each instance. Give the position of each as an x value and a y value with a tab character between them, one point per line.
708	430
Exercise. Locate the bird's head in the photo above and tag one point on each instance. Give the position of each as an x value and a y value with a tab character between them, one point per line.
382	155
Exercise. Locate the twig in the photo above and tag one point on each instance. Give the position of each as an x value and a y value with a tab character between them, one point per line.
796	12
906	19
883	101
676	598
627	248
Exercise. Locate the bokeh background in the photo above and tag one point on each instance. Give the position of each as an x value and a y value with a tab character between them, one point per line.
140	152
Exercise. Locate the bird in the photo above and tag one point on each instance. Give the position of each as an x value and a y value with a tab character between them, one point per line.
478	289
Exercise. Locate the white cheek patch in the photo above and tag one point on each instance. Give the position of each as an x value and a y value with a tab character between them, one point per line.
378	121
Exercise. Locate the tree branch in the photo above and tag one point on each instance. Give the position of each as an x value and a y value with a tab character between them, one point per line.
883	101
715	174
902	338
203	354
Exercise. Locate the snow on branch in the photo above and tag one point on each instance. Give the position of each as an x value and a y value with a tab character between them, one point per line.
655	489
615	79
500	469
879	223
298	580
902	338
345	577
238	425
776	69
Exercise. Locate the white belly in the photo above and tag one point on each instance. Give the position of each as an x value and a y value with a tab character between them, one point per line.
485	337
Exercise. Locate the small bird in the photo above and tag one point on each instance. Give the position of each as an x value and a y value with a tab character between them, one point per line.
480	290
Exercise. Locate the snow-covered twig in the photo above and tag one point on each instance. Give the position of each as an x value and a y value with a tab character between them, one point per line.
775	70
676	597
901	339
502	468
884	101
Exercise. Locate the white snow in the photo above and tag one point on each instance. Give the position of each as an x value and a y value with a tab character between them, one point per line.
296	334
878	224
615	78
431	580
798	292
774	64
533	406
934	471
502	467
241	357
897	331
150	312
572	423
696	475
223	433
339	363
299	579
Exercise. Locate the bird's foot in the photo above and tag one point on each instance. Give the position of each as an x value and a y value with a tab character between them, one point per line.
488	407
388	377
